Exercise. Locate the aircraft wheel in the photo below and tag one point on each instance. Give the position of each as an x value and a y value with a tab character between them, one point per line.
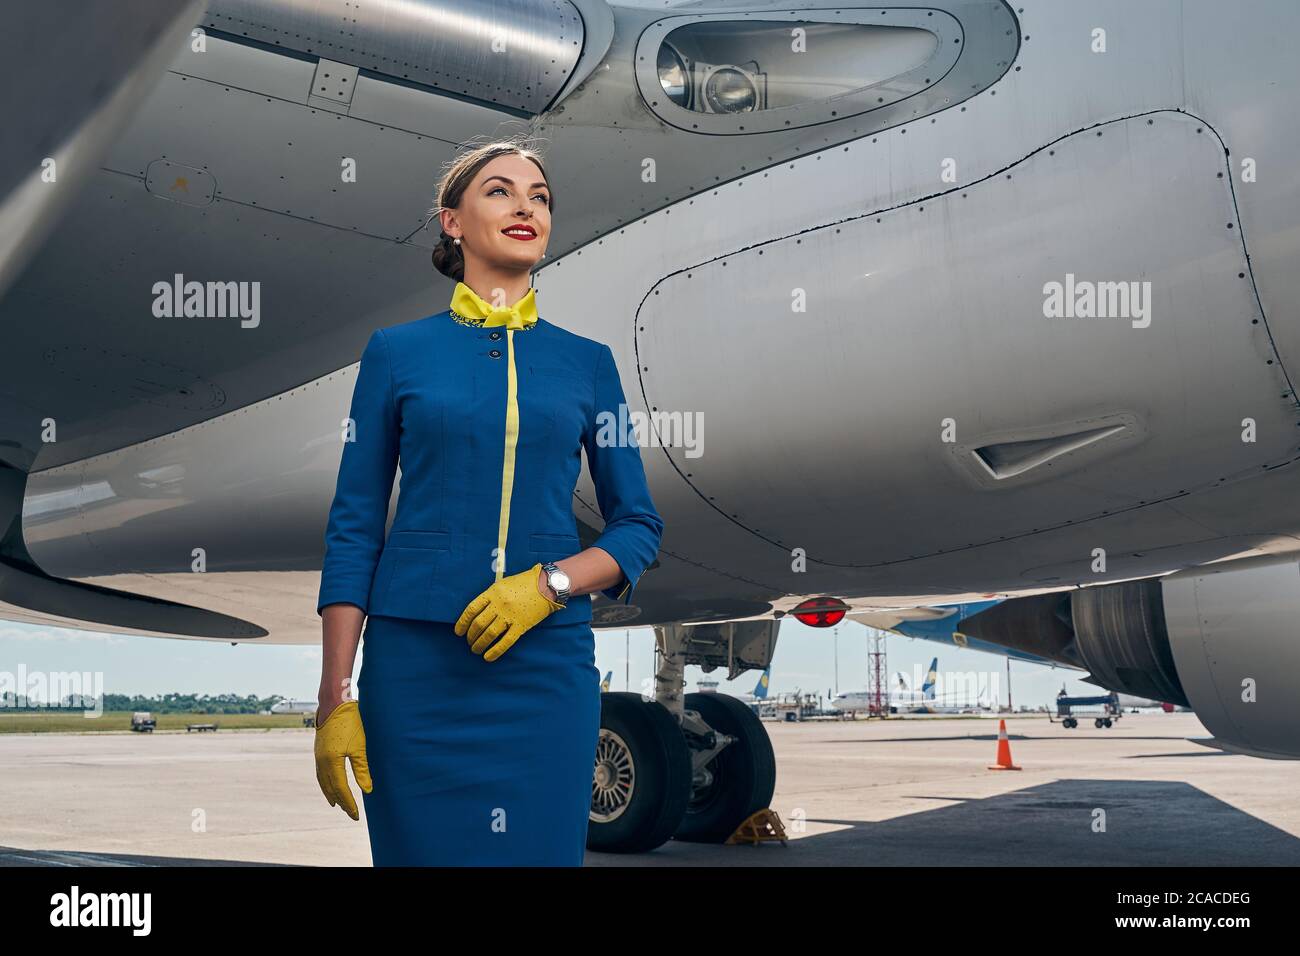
743	774
641	780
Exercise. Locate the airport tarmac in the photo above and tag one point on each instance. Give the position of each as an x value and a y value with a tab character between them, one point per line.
898	793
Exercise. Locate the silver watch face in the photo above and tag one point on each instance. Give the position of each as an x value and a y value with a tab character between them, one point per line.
558	580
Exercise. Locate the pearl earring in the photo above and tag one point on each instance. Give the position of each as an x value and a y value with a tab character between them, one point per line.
456	241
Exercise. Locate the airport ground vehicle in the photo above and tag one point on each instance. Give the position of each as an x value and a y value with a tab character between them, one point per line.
1066	707
143	722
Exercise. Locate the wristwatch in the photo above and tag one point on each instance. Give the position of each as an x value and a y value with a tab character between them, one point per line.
559	582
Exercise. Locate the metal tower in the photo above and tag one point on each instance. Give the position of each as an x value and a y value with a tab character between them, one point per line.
877	675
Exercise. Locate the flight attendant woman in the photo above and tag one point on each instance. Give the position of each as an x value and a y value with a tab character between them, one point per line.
474	737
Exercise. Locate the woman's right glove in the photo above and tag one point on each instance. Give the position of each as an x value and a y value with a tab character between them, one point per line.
342	736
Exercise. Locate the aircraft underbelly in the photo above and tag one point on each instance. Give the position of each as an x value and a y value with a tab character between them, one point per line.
1069	337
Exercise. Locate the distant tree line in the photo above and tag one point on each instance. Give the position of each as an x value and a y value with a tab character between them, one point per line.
159	704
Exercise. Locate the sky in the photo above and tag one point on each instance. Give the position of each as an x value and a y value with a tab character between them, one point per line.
808	659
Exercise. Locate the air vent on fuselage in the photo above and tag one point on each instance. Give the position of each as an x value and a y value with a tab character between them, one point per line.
1008	459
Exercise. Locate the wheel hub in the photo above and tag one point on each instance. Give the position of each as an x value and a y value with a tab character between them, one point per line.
613	780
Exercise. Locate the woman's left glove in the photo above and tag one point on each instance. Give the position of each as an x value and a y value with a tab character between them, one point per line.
504	612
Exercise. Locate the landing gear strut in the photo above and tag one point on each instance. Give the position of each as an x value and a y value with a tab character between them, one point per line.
734	778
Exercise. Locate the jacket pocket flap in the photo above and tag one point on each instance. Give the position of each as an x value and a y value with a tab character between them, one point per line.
431	540
553	542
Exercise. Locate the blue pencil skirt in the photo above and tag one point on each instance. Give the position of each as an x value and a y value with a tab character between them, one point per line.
474	762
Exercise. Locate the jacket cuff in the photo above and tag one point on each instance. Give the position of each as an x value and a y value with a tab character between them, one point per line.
621	592
343	595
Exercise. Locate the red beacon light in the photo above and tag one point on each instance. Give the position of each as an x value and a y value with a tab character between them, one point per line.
820	611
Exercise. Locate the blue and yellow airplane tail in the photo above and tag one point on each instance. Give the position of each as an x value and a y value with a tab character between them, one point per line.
931	679
604	683
760	689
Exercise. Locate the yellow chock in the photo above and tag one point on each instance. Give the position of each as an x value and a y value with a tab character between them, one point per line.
763	826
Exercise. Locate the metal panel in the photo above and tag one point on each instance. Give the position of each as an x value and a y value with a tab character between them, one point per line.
516	53
949	282
332	85
183	184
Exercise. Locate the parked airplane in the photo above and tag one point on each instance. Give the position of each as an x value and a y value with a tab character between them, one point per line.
760	689
292	706
903	700
957	328
900	697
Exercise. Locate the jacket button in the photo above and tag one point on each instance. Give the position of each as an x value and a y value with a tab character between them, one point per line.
495	335
495	353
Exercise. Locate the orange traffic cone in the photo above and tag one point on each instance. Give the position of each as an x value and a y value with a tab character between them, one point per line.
1004	749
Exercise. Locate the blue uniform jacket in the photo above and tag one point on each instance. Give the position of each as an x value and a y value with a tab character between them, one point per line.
432	394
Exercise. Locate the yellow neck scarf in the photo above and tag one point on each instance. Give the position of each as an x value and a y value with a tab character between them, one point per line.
465	301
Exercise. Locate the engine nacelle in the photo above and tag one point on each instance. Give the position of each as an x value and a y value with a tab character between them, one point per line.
1223	640
1235	637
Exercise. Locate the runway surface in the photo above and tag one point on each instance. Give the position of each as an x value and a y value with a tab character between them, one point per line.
904	792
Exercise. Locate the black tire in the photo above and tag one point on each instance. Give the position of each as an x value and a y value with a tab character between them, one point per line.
641	778
1099	723
744	773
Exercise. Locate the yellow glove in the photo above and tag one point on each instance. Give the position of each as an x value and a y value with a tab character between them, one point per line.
342	736
505	610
